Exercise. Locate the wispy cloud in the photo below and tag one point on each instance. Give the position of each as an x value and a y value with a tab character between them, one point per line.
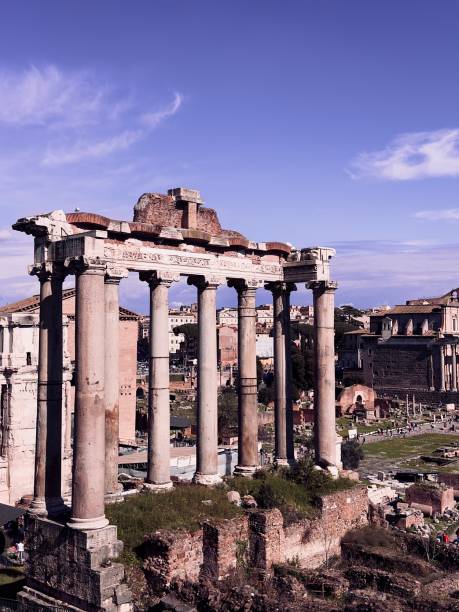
153	119
371	272
92	150
412	156
48	96
442	214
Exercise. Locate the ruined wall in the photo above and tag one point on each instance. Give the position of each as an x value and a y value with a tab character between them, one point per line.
225	544
311	542
430	499
172	554
158	209
257	540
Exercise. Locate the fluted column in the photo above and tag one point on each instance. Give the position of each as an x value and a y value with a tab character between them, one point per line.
247	387
453	368
207	439
158	466
47	498
325	436
112	377
89	438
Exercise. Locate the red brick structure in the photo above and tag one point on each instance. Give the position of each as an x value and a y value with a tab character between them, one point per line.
257	540
430	498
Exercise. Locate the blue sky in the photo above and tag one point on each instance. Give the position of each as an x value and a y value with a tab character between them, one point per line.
331	122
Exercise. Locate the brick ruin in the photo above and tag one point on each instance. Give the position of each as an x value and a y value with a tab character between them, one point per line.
257	540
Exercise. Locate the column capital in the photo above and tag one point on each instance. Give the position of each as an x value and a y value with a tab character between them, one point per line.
48	270
322	286
155	278
243	284
206	281
279	287
114	274
82	263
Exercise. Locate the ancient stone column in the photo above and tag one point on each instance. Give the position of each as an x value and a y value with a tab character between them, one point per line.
247	387
453	368
442	368
158	467
89	438
324	379
112	378
288	370
47	498
207	439
280	379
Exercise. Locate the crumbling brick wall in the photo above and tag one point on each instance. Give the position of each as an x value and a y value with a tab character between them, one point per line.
225	546
159	209
430	499
313	542
257	539
266	539
171	554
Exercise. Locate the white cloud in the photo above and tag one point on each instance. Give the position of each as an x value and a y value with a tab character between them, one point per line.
442	214
102	148
47	96
80	151
153	119
412	156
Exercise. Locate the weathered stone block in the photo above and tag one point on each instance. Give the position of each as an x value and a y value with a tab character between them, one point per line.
71	566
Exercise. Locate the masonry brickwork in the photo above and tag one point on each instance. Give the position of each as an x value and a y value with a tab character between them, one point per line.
258	540
172	555
430	500
224	545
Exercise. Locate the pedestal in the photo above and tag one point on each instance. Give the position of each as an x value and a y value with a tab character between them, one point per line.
72	569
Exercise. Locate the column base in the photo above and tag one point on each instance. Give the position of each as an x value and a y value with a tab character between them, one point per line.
158	488
208	480
246	471
38	507
281	462
82	524
51	506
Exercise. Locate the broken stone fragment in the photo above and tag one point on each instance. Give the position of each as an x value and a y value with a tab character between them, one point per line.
249	502
234	497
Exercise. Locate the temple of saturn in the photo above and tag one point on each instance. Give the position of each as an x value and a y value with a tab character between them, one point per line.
171	236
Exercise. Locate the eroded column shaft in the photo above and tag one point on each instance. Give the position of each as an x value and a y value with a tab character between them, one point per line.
324	380
158	469
280	379
248	401
89	439
48	450
112	384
